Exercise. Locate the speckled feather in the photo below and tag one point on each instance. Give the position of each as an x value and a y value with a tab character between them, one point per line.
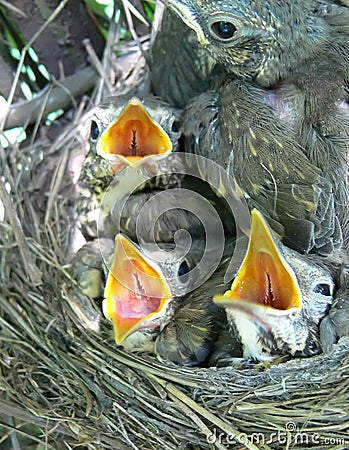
288	93
237	130
178	72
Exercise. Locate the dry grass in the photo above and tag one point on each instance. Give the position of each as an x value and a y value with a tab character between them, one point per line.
61	371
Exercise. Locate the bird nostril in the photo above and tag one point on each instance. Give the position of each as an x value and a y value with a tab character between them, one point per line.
223	30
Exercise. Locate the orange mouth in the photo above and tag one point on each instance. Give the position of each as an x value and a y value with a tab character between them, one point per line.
264	278
134	135
136	292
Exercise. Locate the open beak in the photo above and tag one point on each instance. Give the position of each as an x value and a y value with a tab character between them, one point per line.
265	284
133	136
136	292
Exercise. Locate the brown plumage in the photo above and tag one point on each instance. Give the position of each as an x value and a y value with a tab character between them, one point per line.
280	120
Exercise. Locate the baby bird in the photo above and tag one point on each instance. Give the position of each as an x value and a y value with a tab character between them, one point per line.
125	130
277	298
130	133
262	154
287	94
145	288
180	67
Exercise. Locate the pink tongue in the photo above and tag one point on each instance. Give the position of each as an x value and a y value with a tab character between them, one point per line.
136	305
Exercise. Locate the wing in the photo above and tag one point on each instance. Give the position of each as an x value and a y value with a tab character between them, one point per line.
241	129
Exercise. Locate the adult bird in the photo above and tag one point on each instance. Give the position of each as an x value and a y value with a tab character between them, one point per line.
277	298
286	95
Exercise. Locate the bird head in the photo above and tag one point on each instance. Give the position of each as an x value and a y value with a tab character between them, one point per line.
255	38
277	297
140	292
125	130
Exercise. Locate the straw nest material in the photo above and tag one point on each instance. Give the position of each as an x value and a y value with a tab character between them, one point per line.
62	373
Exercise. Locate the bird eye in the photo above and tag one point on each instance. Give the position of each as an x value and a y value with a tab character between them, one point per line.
223	30
183	270
94	131
175	126
323	289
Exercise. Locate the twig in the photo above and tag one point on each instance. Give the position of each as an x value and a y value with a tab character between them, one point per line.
97	64
55	13
52	97
135	12
133	361
16	430
33	272
128	8
190	413
13	8
109	53
20	413
228	429
55	186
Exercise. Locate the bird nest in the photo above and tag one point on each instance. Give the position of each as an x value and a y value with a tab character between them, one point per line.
64	383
